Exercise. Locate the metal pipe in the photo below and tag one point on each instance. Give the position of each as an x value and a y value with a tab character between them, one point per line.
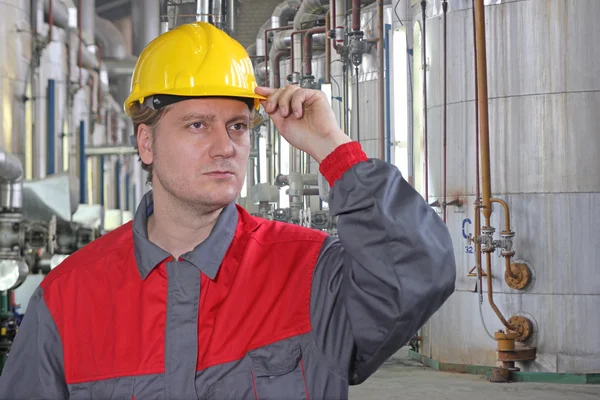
82	163
50	19
231	16
281	28
51	128
356	14
445	121
145	17
380	81
488	260
308	48
485	149
483	109
333	23
80	47
424	47
327	46
202	10
357	111
11	167
276	67
388	130
109	150
217	11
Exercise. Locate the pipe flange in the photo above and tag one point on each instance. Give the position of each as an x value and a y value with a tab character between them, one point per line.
521	276
524	327
500	375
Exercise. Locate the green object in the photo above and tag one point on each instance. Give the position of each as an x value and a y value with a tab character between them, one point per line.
540	377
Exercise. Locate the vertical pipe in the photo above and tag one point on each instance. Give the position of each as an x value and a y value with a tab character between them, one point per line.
356	14
281	28
118	184
308	48
380	82
357	111
102	202
82	163
483	109
231	16
388	130
445	120
478	186
51	128
127	192
327	46
424	49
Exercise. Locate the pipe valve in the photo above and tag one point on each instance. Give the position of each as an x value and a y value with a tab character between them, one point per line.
358	47
487	239
506	243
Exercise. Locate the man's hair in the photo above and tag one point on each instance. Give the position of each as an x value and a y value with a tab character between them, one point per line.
141	114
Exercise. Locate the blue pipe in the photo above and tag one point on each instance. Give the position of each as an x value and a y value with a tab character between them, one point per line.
102	181
388	122
127	203
118	184
51	131
82	163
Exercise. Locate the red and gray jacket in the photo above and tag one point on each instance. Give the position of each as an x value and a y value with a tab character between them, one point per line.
260	310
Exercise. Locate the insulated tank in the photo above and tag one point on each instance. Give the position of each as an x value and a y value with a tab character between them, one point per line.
544	113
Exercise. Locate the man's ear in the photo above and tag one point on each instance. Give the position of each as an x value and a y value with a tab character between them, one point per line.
144	143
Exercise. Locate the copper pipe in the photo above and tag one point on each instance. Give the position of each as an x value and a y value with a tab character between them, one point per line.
308	48
333	22
485	145
380	81
327	46
484	132
281	28
445	207
294	33
356	15
476	111
506	212
276	67
488	259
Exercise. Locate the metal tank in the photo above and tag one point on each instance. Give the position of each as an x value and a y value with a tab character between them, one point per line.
544	96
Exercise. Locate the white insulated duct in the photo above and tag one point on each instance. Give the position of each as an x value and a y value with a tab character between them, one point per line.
281	16
309	12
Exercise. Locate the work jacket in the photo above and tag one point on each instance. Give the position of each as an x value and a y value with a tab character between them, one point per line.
259	310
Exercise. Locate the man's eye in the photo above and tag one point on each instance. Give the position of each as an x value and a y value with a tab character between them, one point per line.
196	125
239	127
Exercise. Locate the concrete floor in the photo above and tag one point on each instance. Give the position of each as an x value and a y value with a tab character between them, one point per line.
404	378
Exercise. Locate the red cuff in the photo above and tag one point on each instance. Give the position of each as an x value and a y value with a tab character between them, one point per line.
340	160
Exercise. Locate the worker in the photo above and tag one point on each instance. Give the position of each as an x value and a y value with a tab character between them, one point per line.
196	298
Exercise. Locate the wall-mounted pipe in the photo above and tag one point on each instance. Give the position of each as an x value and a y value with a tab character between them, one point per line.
88	14
487	199
424	64
444	117
308	51
388	84
328	46
380	81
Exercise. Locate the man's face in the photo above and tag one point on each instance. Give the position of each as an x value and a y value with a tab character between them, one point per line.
199	151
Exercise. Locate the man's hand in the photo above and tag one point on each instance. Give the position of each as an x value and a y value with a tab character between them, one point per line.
304	118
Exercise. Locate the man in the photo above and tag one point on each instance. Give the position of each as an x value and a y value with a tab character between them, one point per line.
196	299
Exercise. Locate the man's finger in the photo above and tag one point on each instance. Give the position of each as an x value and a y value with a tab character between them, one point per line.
285	99
297	103
271	102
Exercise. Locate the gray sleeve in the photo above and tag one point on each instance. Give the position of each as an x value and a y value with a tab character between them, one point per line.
391	269
34	369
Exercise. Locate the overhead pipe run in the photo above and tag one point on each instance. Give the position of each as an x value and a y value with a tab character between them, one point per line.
308	51
309	13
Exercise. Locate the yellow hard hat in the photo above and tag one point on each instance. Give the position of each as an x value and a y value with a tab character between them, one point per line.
193	60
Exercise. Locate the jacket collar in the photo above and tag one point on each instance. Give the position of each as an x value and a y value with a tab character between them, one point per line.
207	256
